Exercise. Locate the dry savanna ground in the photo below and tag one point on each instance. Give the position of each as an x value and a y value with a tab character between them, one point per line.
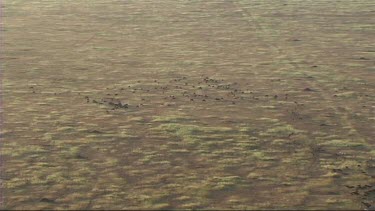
188	104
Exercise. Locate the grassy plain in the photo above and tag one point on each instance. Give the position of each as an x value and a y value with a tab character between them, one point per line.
217	104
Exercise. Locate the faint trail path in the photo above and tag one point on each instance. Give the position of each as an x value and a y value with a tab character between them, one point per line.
327	95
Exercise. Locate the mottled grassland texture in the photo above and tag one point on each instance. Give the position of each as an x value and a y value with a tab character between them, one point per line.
215	104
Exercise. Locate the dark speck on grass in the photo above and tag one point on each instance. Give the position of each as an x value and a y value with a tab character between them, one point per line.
47	200
307	89
349	186
81	157
95	131
363	58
